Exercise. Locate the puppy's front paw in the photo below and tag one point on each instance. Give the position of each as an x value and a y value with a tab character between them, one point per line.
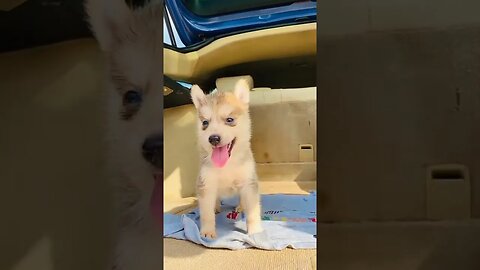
239	209
208	233
254	227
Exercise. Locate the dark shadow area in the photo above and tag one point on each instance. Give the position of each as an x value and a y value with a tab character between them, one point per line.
408	245
39	22
54	189
390	104
294	72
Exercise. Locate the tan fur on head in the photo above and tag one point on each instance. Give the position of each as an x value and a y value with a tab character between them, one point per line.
216	108
198	97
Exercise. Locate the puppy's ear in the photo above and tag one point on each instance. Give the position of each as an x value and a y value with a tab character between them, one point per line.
109	20
242	89
198	97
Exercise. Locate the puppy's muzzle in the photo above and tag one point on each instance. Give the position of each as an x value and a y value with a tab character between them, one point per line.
152	150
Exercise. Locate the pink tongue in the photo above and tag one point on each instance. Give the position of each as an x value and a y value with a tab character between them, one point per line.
156	199
220	156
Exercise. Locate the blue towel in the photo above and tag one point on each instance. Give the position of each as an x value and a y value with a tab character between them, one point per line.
287	220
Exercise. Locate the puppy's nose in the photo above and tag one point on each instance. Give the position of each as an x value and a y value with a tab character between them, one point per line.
152	150
214	140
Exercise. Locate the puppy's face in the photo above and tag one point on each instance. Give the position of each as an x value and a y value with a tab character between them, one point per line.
131	40
223	122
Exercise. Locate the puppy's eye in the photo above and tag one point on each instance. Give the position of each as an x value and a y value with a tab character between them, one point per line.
204	123
229	120
132	101
132	97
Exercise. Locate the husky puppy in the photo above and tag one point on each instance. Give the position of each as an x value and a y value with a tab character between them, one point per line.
132	42
227	163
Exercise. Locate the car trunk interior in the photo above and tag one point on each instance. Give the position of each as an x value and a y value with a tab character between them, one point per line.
391	122
284	147
398	152
283	141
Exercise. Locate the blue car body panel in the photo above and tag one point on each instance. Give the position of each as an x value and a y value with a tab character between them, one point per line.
195	30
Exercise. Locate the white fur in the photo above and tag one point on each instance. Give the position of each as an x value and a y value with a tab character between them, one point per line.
132	44
238	176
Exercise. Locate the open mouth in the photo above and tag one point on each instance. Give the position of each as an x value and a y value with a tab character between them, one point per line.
156	208
230	147
221	154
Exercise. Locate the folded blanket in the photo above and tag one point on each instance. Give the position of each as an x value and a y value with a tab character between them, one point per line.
287	220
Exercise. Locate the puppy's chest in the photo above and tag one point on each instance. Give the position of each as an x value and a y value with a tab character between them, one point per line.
228	181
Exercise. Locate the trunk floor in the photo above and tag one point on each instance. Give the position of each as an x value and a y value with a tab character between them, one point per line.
372	246
356	246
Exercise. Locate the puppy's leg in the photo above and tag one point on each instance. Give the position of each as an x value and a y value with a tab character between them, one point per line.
239	207
207	198
250	201
218	206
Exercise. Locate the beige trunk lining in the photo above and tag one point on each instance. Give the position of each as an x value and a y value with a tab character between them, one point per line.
282	120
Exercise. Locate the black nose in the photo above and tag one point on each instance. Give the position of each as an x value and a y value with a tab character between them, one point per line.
214	140
152	150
